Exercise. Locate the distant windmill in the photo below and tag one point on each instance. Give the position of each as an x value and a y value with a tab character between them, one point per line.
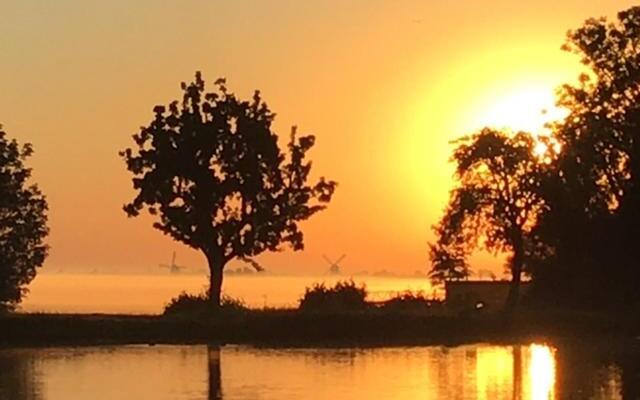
334	266
173	268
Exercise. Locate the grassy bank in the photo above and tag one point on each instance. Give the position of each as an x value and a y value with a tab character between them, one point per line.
296	328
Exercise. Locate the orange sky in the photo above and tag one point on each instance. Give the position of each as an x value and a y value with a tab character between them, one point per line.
384	85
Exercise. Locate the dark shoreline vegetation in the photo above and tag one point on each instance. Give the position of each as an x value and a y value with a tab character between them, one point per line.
326	316
293	328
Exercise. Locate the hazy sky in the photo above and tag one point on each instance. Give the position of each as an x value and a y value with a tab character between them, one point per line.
384	85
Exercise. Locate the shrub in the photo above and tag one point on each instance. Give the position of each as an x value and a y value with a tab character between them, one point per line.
230	304
198	305
343	296
409	301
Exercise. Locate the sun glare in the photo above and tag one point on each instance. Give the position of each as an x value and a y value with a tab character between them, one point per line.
542	372
526	108
540	149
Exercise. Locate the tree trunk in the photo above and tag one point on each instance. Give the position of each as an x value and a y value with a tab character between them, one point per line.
216	266
516	274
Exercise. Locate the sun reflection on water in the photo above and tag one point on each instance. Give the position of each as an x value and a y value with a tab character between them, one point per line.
528	372
494	371
542	372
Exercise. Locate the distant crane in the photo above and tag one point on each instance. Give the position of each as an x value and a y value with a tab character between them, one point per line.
173	267
334	266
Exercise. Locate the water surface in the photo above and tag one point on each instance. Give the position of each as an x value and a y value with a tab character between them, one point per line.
533	371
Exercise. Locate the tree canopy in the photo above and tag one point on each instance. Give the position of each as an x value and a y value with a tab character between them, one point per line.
494	205
210	169
593	219
577	210
23	222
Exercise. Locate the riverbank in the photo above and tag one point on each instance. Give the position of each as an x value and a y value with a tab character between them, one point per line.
295	328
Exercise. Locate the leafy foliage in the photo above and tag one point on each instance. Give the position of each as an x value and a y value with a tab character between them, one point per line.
23	222
410	302
343	296
572	217
448	256
593	220
495	204
210	168
190	305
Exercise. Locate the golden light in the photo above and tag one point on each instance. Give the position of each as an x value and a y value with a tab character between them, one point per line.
524	107
529	372
540	149
494	371
542	372
510	88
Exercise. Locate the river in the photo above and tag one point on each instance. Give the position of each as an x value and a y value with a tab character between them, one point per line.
530	371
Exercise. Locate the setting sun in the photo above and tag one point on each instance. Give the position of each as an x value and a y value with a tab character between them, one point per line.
521	108
319	199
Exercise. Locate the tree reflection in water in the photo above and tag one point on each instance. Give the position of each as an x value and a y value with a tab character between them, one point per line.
215	375
18	380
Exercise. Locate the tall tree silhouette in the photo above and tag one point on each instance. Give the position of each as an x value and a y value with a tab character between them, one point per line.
23	222
209	167
494	205
593	195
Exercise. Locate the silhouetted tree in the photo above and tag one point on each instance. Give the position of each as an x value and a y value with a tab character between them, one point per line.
209	167
448	260
592	222
449	254
23	222
494	205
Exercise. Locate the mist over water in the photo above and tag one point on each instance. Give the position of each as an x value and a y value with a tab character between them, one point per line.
148	294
